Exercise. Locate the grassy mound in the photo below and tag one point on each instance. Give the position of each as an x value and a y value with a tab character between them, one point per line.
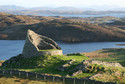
43	64
105	74
49	65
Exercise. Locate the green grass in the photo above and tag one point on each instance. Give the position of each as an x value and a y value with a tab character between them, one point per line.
77	57
53	62
49	50
49	65
46	64
83	75
111	74
7	79
118	55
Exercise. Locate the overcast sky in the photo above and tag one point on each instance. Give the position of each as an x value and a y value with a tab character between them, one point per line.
58	3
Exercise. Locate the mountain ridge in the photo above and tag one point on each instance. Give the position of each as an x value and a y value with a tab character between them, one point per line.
19	10
14	27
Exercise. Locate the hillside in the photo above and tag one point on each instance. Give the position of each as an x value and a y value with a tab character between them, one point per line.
72	66
93	10
11	8
14	27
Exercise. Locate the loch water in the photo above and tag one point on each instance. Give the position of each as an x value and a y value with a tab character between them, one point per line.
10	48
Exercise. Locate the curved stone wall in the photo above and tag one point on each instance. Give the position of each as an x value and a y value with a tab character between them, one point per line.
31	46
53	52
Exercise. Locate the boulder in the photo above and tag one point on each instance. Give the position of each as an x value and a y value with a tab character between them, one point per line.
37	45
77	73
66	66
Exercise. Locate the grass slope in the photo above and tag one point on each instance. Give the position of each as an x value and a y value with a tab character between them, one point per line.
46	64
108	55
110	74
49	65
15	80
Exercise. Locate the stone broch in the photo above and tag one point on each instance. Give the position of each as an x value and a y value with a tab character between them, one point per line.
37	45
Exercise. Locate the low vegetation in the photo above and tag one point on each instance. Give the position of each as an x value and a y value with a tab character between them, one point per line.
49	65
58	28
108	55
6	79
44	64
111	74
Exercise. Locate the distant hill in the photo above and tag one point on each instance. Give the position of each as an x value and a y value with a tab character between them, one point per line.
69	8
14	27
18	10
11	8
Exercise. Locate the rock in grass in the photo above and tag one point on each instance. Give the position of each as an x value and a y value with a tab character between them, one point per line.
66	66
108	64
93	66
77	73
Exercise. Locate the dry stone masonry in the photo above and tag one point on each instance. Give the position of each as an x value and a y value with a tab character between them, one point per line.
84	66
86	63
109	64
37	45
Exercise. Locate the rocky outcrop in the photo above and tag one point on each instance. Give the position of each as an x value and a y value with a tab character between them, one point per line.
66	66
36	45
86	64
108	64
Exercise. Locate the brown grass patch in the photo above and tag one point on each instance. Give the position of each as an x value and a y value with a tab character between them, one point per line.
98	54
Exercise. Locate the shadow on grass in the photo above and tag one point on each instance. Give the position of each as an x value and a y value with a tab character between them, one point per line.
52	69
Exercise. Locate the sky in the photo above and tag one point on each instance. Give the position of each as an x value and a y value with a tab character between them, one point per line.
59	3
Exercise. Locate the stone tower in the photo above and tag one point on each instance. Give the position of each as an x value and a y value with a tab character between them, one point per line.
37	45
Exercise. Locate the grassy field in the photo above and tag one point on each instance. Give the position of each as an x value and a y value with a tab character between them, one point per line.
110	74
108	55
15	80
49	64
46	64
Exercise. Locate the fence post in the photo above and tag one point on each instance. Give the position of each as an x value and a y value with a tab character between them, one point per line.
49	80
27	74
19	74
3	72
44	77
84	82
36	76
63	80
53	79
10	72
74	81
